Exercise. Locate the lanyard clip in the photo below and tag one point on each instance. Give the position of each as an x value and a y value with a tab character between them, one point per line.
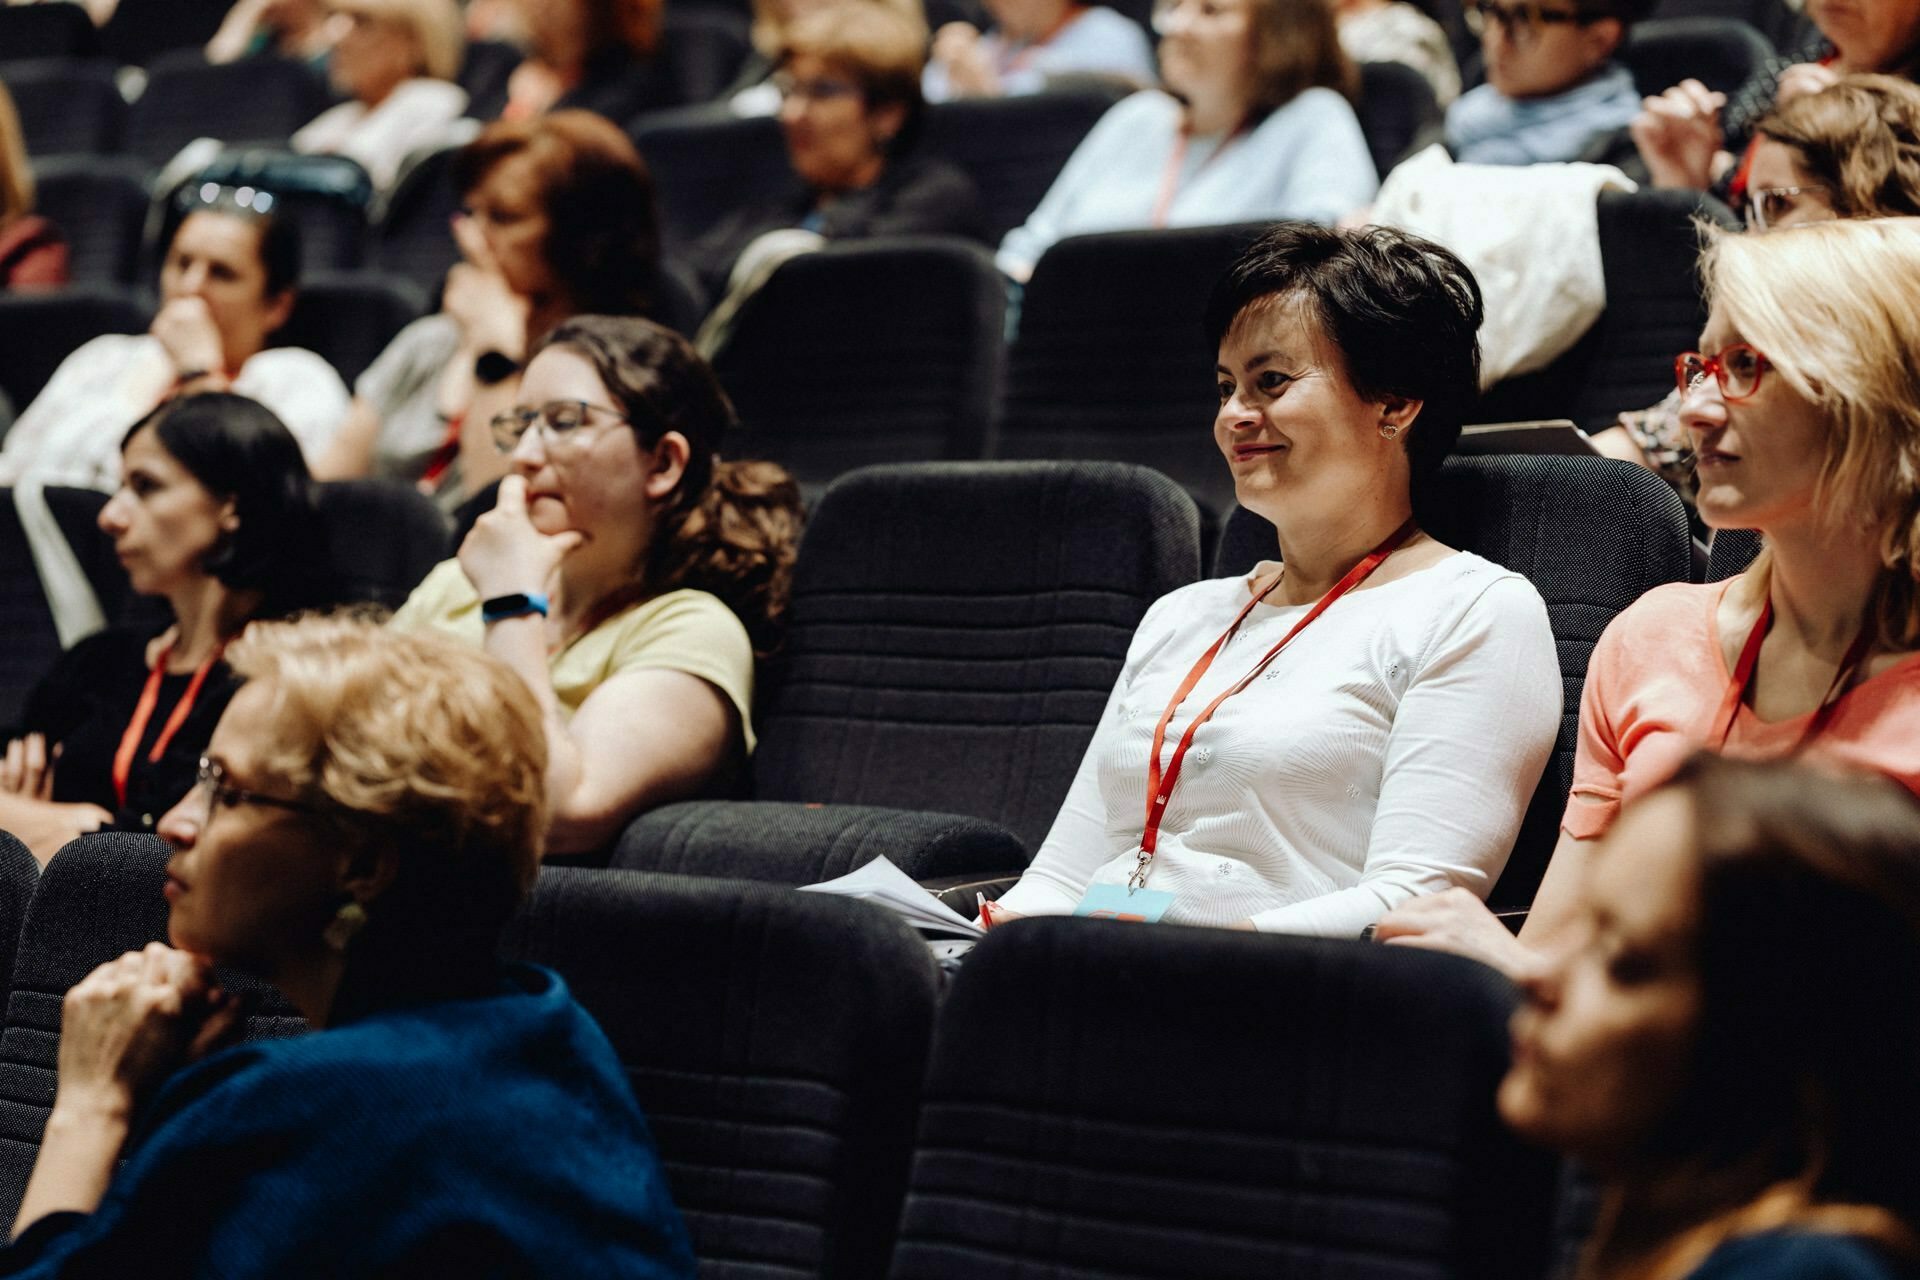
1137	878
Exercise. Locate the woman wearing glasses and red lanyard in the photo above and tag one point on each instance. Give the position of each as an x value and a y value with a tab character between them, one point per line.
627	574
1255	125
214	514
1301	749
1805	417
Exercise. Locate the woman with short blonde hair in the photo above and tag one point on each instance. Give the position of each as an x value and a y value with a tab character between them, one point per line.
395	63
367	818
1804	410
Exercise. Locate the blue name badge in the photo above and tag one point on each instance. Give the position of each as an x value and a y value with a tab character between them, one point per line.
1113	902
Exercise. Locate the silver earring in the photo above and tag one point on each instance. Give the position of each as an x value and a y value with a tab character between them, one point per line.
346	922
1389	431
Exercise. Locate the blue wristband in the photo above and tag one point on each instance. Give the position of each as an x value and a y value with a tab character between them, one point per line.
517	605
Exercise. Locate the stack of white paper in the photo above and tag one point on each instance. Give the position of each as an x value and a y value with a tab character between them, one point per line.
887	885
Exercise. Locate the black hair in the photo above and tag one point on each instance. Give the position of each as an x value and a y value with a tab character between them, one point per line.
1404	312
280	247
729	528
236	448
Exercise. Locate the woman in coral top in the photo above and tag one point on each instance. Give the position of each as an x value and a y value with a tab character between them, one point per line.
1805	419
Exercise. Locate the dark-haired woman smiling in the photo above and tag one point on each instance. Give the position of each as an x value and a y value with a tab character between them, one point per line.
215	514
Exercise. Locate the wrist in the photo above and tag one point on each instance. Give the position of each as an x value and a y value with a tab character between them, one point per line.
506	606
90	1107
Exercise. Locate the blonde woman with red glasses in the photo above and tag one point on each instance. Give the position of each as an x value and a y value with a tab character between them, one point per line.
1804	409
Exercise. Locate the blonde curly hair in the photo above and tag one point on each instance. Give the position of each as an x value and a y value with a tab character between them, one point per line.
412	743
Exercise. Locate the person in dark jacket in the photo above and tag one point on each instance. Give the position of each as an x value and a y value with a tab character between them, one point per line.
367	817
851	110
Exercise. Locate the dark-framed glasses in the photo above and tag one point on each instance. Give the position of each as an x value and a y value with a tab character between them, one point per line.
1523	21
559	421
818	89
211	778
1736	368
1770	206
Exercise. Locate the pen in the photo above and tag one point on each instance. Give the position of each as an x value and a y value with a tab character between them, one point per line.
986	912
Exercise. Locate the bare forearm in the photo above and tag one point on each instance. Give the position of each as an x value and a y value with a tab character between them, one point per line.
76	1160
521	644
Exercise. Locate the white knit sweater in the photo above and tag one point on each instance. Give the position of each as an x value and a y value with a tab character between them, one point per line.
1389	751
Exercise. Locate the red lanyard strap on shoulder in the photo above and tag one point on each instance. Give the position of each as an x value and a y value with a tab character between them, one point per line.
1742	680
143	712
1160	784
1170	180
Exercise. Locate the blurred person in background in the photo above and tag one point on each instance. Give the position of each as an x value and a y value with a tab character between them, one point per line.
1395	31
753	92
1032	41
596	55
33	252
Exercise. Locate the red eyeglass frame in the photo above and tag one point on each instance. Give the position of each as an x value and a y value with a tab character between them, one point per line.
1715	364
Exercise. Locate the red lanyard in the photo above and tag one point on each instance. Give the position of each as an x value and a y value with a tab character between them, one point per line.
143	712
1170	180
1743	677
1160	786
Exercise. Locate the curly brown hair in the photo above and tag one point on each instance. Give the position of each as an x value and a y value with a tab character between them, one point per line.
1860	139
729	528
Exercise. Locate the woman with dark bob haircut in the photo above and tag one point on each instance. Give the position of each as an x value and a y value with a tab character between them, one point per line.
557	220
627	573
1728	1041
1299	740
215	514
366	819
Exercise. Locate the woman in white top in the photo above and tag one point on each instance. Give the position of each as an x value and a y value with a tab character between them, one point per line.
227	284
1391	745
395	62
1256	124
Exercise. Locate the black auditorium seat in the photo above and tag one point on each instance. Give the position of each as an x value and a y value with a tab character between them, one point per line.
776	1042
254	100
98	899
1730	552
1721	53
1112	361
411	238
954	633
885	350
32	644
484	73
100	202
383	537
702	48
39	330
1013	148
1398	112
54	30
349	317
19	873
326	196
1592	535
1110	1101
705	166
1649	254
66	105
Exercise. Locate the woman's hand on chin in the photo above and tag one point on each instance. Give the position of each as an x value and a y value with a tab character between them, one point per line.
186	329
1454	920
133	1020
504	553
491	316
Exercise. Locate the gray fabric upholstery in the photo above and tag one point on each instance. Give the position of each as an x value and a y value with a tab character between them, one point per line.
1130	305
100	202
47	31
955	631
1731	551
383	537
1113	1101
31	643
868	351
1592	535
260	99
776	1042
348	317
1721	53
99	898
803	844
410	239
1013	148
67	106
1398	112
19	873
705	167
39	330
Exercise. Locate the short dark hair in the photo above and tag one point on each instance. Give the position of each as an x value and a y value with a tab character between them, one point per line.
1404	312
603	236
236	448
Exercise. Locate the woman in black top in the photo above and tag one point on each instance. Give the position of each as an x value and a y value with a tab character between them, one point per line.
215	514
850	113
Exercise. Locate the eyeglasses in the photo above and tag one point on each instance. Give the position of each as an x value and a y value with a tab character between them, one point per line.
821	90
1523	21
1736	368
559	422
1164	10
1768	206
212	778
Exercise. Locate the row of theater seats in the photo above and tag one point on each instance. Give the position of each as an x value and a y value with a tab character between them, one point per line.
939	683
704	162
1087	1099
894	350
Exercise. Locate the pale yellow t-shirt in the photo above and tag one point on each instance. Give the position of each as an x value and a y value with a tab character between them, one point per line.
688	631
